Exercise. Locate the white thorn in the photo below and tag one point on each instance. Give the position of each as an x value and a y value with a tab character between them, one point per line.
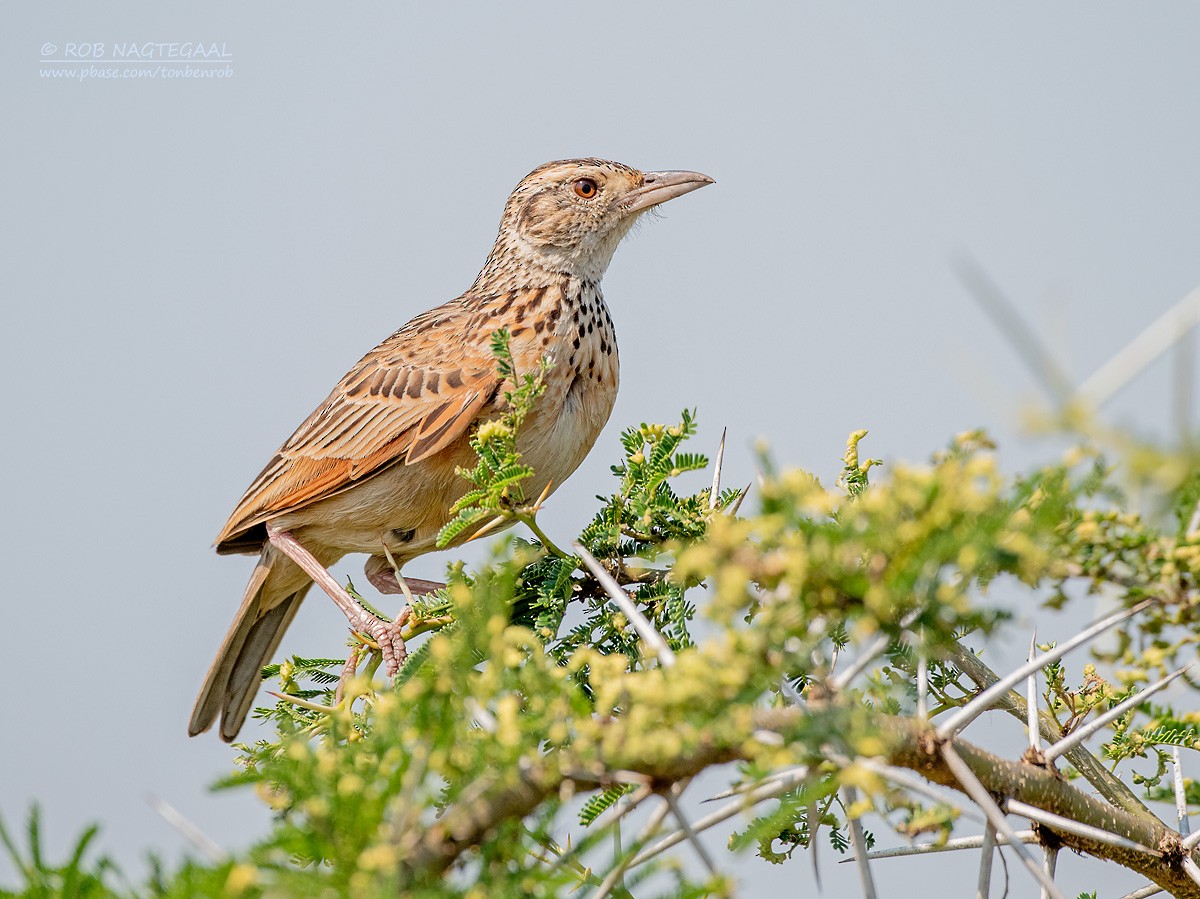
981	703
1076	737
716	484
691	834
652	638
190	832
859	842
1049	865
1087	831
922	688
1035	735
1150	889
983	887
1185	827
1191	869
959	843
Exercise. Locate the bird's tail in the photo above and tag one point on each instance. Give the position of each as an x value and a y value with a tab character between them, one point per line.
272	598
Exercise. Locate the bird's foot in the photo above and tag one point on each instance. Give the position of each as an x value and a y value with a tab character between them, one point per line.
387	635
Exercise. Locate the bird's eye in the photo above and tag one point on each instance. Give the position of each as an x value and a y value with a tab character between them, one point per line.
586	188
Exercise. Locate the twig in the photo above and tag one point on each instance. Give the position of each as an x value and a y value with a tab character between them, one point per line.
859	842
1077	737
1058	822
977	792
530	521
981	703
652	638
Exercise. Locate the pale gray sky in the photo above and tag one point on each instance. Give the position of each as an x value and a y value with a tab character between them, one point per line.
190	264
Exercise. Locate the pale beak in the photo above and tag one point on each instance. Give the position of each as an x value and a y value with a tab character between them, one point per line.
662	186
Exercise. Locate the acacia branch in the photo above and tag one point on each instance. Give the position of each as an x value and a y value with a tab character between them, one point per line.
514	794
1110	787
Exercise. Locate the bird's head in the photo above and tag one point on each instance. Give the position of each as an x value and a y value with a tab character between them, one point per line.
567	217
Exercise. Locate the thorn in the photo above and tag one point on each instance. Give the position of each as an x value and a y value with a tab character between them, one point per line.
984	885
1035	735
1191	869
490	526
1049	865
541	499
692	836
1058	822
859	842
716	482
484	718
737	503
911	782
1185	828
922	687
190	832
955	845
303	703
1150	889
652	638
1021	337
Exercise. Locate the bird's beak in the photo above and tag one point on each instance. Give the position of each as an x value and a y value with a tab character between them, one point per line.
659	187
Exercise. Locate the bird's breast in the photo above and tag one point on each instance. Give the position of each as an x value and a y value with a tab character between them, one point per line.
581	387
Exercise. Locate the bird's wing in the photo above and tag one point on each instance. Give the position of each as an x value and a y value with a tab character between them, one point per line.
405	400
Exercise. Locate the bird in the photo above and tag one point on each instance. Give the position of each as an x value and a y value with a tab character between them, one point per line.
373	469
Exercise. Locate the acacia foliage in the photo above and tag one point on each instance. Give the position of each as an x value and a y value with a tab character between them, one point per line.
500	759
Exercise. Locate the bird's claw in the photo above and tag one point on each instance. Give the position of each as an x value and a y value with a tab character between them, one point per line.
391	643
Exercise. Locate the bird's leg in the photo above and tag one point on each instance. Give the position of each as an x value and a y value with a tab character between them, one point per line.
385	633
